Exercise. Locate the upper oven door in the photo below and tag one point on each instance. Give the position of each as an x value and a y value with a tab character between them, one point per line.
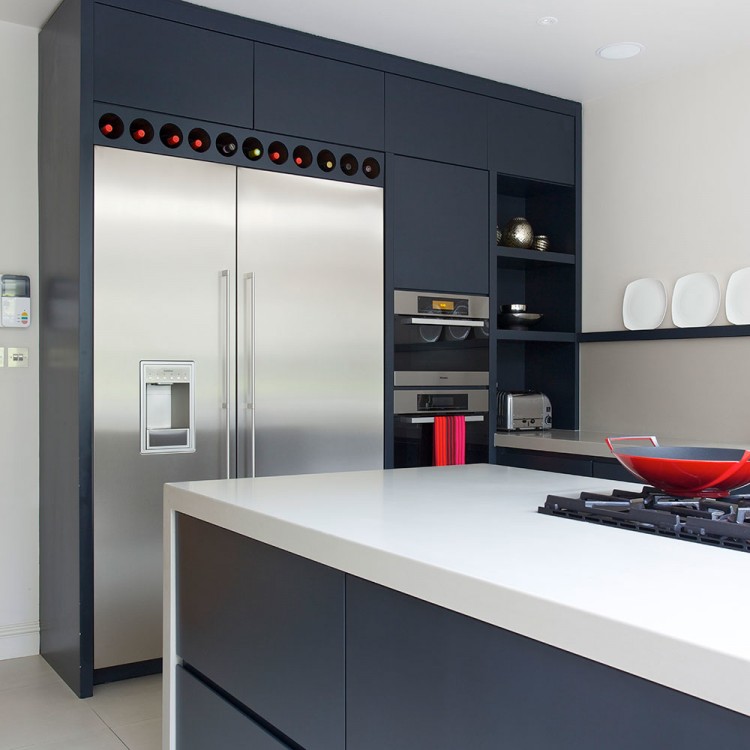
440	339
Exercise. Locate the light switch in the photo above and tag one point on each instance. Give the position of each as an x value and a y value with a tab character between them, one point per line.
2	356
18	357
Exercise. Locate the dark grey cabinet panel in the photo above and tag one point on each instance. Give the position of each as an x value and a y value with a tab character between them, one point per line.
533	143
539	461
205	720
313	97
265	625
419	676
435	122
440	226
150	63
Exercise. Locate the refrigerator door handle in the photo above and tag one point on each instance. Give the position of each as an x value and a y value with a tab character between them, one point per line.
226	275
250	397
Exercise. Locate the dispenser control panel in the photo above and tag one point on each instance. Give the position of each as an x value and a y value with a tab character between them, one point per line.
15	301
167	407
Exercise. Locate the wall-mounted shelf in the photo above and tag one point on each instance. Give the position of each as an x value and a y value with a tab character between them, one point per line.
516	255
557	336
662	334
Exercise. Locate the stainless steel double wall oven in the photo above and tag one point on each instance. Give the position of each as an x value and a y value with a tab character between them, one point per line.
441	368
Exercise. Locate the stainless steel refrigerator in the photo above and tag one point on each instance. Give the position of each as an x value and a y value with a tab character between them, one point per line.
238	331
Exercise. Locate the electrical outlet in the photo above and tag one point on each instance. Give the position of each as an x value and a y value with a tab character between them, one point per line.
18	357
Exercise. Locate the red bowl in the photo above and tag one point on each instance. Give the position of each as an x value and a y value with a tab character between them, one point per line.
686	471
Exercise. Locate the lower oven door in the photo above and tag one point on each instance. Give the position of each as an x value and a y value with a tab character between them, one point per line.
414	424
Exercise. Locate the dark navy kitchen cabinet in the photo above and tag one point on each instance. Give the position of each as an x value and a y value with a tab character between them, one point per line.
435	122
207	720
161	65
532	143
440	226
279	650
314	97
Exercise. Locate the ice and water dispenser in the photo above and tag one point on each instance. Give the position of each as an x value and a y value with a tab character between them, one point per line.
167	407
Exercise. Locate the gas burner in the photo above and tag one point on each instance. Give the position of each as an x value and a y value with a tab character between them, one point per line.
719	522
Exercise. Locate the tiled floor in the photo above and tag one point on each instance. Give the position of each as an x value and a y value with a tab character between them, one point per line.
39	712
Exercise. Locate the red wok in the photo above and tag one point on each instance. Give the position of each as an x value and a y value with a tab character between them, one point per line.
685	471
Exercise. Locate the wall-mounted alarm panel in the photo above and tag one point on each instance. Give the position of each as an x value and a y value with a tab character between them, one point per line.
15	301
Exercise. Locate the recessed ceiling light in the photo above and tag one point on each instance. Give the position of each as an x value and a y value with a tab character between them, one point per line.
547	21
620	50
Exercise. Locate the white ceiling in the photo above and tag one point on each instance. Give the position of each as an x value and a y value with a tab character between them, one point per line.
501	40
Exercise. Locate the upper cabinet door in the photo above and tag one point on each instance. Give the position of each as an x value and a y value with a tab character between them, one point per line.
532	143
440	226
313	97
435	122
150	63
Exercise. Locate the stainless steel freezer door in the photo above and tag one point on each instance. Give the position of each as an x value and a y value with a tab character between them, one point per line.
309	324
164	233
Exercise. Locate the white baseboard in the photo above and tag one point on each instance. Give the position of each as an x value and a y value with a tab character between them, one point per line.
19	640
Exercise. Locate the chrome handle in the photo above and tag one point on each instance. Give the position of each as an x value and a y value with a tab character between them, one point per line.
446	321
251	371
227	372
431	420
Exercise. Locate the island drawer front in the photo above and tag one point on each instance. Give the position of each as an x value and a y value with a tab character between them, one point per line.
421	676
267	627
206	720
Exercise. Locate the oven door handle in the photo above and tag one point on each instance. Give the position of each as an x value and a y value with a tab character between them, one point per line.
431	420
461	322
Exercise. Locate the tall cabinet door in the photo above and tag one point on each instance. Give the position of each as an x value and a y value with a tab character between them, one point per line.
164	233
310	325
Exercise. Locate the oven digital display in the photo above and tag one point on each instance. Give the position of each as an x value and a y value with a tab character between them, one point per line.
443	402
442	305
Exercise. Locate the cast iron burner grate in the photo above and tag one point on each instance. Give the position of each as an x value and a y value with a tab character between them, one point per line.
720	523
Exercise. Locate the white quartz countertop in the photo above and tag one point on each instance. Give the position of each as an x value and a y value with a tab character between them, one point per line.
584	442
469	538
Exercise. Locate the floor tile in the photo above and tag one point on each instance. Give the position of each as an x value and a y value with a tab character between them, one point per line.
127	702
25	672
38	715
105	739
145	735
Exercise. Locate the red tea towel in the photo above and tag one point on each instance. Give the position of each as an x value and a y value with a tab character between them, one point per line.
440	442
449	441
458	433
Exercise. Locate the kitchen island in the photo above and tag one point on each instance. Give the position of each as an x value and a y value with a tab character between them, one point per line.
435	608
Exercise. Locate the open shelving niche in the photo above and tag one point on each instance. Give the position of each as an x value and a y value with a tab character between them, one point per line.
543	357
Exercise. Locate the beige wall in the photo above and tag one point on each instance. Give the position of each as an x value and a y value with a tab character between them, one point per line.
19	416
666	193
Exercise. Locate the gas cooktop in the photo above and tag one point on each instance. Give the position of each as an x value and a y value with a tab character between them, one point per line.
721	523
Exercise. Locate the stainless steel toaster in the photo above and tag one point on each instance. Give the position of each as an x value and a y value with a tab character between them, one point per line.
523	410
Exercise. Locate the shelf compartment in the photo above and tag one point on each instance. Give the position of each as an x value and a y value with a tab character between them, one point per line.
548	207
662	334
549	366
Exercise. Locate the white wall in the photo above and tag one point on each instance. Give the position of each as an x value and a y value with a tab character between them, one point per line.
19	388
666	193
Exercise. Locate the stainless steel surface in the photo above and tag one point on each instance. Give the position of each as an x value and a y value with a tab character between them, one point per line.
407	402
523	410
251	375
314	247
227	399
168	249
513	307
431	420
407	303
164	229
444	321
431	378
